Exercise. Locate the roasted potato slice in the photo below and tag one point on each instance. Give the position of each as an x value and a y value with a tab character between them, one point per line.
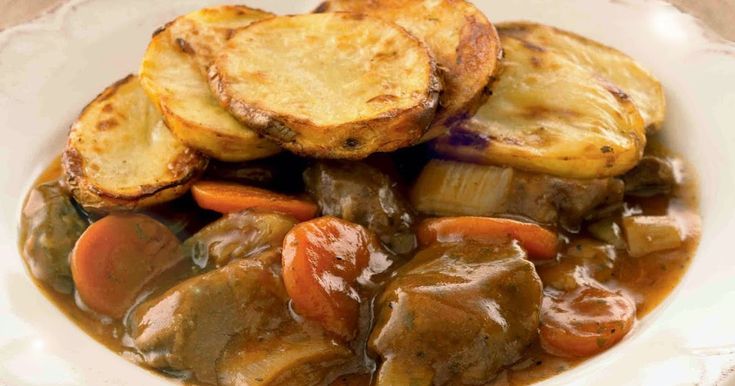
202	34
550	115
120	155
173	74
464	43
331	85
613	65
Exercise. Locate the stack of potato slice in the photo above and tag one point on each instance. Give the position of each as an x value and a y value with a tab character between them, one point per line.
358	77
331	85
173	74
235	83
463	41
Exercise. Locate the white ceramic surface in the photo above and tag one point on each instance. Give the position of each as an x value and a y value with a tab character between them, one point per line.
50	68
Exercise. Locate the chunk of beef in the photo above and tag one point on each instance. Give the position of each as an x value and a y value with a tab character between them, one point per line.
364	195
237	236
456	314
652	176
554	200
188	327
52	226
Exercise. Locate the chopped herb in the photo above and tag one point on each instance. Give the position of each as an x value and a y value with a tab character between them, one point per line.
139	232
409	320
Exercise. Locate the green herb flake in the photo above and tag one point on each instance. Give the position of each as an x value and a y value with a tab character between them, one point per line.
139	232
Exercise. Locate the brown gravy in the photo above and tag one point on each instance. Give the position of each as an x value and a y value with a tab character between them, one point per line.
649	280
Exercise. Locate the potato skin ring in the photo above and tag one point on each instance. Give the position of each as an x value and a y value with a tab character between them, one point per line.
304	107
120	155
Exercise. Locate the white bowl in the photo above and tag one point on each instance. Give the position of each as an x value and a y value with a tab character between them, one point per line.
51	68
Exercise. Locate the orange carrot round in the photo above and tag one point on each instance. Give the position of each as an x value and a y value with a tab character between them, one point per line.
322	260
116	256
585	322
227	197
540	243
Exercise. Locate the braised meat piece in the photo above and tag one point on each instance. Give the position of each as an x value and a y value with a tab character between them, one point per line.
548	199
52	225
187	327
456	314
652	176
364	195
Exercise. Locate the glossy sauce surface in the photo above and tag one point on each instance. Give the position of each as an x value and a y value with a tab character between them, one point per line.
648	280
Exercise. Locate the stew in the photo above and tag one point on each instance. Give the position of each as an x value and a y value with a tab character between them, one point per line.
309	200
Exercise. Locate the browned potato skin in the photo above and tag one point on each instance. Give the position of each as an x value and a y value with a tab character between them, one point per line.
350	140
468	68
353	140
212	139
94	198
585	126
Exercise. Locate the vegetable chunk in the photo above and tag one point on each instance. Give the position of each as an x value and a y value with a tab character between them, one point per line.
116	256
121	156
540	243
225	197
449	188
237	235
325	260
301	358
585	322
330	85
648	234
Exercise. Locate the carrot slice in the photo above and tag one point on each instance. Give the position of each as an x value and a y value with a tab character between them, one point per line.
540	243
116	256
585	322
322	261
227	197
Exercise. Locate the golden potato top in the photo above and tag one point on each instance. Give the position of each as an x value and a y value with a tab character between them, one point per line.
464	43
173	73
120	149
615	66
328	85
551	115
203	33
